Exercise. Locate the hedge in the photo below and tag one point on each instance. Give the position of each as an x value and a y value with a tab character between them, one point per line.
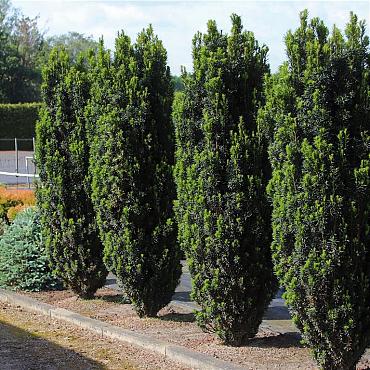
18	120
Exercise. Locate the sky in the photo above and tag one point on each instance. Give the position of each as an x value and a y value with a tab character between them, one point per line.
176	22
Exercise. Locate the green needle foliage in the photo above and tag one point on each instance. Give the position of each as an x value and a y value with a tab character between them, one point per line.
319	106
23	260
131	169
221	174
62	154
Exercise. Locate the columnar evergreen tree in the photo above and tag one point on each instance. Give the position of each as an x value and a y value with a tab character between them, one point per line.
62	154
221	174
320	108
131	169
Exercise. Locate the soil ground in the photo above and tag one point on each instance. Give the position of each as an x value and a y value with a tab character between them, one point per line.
269	350
30	341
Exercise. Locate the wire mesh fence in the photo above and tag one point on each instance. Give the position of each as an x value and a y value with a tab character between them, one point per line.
17	165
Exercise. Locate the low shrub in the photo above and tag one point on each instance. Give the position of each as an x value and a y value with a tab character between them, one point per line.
2	226
13	211
23	261
13	201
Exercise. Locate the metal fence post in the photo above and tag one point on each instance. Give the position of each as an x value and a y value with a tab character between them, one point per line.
28	179
34	156
16	154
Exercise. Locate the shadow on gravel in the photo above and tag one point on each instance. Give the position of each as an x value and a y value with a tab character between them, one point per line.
182	296
286	340
178	317
22	350
277	313
110	281
115	298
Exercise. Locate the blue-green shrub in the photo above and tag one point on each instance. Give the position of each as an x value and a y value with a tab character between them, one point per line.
23	261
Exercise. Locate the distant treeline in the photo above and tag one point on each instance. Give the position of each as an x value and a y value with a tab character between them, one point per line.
24	49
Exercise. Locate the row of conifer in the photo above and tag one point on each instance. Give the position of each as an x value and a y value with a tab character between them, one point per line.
257	177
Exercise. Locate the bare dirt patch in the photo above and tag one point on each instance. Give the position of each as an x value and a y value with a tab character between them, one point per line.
269	350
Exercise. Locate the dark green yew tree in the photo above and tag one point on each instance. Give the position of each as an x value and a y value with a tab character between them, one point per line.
221	175
62	154
131	169
319	104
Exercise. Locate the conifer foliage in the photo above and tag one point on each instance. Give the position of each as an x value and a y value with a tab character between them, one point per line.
221	174
62	155
131	169
319	104
23	262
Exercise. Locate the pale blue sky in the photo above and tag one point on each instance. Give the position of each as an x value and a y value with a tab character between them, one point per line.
176	22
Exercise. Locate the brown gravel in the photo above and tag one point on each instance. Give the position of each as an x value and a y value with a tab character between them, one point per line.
269	350
31	341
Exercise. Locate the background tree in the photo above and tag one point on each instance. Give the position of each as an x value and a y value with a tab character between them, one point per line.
21	43
62	154
177	83
28	40
318	107
131	167
24	49
8	56
73	43
221	175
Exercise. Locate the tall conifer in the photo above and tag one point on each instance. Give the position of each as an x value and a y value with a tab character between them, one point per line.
62	155
131	169
221	175
319	110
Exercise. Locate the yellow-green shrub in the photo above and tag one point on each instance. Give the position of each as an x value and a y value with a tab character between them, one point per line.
12	201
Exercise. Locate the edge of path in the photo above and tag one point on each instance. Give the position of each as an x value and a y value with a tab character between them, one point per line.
175	352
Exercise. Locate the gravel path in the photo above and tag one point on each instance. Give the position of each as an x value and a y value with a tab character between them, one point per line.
276	346
30	341
276	311
269	350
